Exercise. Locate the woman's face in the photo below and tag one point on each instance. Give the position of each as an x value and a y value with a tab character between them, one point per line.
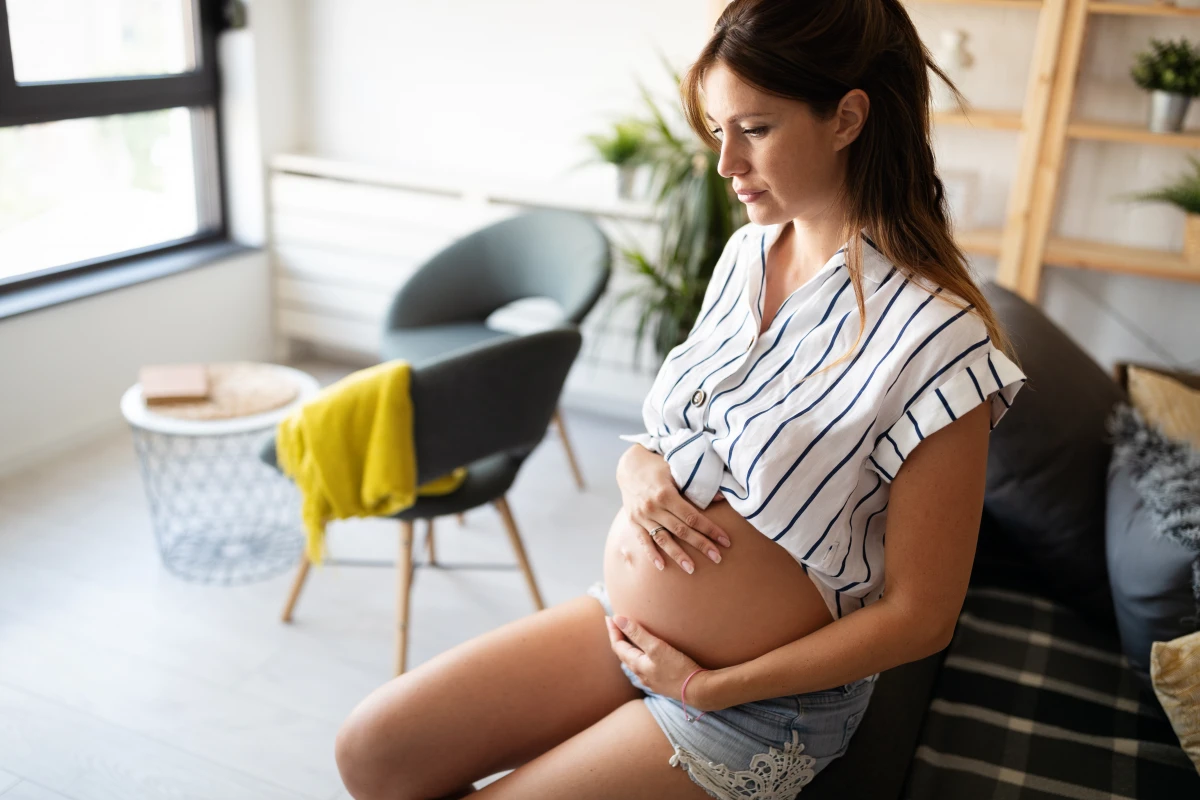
777	147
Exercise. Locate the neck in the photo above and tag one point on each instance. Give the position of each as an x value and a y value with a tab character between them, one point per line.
812	242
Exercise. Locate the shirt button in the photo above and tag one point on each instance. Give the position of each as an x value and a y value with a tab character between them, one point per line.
698	397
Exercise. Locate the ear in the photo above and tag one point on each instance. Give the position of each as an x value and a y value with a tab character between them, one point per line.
852	113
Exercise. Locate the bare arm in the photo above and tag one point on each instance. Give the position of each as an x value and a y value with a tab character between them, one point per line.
933	520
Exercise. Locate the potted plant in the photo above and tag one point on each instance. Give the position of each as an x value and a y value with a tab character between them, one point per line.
1170	71
1184	193
623	149
697	211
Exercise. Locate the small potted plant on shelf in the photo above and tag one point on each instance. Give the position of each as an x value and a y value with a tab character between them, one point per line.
1170	71
624	150
1184	193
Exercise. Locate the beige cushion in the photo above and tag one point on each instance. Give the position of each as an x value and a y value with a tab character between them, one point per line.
1175	674
1167	404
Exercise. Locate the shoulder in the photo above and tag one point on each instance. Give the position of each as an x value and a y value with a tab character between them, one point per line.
926	330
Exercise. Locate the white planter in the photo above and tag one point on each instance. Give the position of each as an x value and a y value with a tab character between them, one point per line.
1167	111
952	56
631	181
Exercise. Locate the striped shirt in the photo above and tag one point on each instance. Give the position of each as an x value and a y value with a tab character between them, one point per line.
806	458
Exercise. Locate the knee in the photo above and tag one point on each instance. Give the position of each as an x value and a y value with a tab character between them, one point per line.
368	760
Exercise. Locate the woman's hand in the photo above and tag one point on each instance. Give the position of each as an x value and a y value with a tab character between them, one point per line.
652	500
657	664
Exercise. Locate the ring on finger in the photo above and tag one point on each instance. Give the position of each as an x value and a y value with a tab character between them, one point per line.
659	528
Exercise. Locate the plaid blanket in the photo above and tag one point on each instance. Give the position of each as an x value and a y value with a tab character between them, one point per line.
1034	703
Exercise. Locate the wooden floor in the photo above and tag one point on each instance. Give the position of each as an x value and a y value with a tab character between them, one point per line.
119	680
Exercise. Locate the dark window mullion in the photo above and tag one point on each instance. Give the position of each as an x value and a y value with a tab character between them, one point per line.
51	101
48	102
8	81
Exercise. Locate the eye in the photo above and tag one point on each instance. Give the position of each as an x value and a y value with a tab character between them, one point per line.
755	132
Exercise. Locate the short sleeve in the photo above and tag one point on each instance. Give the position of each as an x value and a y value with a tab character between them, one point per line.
982	375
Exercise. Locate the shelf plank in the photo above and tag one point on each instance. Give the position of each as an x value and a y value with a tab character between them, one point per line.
1141	9
1002	3
982	241
1131	134
980	118
1084	254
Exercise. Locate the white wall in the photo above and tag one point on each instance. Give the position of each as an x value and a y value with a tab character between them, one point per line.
507	90
66	367
498	89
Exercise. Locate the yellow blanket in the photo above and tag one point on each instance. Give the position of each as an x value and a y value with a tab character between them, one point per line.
350	451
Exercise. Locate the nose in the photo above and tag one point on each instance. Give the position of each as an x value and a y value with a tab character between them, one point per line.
731	162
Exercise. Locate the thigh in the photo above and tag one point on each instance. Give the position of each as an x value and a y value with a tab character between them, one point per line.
484	706
624	755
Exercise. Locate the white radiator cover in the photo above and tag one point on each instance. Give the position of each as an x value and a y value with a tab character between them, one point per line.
344	237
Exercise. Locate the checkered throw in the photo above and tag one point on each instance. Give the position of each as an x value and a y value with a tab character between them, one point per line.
1034	703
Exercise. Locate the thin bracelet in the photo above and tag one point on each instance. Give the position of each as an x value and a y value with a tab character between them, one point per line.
683	697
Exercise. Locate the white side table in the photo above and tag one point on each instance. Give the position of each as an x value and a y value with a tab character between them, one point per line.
220	515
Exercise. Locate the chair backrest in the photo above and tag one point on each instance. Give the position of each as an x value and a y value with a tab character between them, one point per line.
498	396
558	254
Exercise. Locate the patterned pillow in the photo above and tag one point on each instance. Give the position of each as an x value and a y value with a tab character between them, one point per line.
1166	403
1175	671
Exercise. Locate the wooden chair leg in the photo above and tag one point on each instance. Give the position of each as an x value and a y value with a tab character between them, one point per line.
429	541
403	585
515	538
297	585
562	434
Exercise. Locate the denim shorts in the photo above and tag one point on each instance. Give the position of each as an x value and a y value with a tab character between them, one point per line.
767	749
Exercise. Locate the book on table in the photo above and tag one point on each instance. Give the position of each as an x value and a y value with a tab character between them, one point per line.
173	383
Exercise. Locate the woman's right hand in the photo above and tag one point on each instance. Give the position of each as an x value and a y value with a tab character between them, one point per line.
651	499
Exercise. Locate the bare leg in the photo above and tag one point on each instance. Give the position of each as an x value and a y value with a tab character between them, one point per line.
624	755
485	706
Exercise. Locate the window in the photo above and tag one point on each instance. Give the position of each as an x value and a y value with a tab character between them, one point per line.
109	144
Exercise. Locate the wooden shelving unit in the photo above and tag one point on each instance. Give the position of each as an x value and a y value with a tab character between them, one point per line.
1025	243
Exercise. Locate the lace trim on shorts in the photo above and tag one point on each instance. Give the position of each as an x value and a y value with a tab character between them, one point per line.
772	775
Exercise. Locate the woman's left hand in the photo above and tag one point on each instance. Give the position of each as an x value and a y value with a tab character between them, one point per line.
657	664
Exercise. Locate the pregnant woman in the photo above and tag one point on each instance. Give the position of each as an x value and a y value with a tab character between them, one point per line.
801	511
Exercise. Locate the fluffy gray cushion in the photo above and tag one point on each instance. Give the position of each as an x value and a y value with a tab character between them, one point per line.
1153	536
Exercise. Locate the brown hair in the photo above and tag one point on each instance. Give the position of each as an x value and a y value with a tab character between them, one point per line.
816	51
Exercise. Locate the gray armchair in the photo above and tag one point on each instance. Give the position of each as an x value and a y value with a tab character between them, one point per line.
444	305
485	407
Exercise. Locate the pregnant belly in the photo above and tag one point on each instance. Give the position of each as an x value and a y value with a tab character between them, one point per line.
756	600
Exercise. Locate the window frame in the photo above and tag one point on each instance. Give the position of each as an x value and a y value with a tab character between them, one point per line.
199	91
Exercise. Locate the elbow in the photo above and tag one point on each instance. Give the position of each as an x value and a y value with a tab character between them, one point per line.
922	640
940	637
